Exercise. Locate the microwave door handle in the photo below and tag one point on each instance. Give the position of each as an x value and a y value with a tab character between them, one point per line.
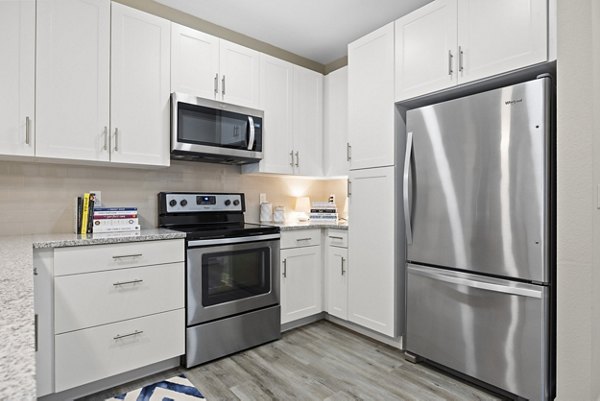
252	133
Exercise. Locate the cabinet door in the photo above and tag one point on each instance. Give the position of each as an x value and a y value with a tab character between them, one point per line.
140	87
301	283
72	88
371	99
308	122
496	37
371	250
426	52
17	46
336	152
194	62
276	79
337	282
239	74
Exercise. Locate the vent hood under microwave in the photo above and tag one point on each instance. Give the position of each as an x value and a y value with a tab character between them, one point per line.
211	131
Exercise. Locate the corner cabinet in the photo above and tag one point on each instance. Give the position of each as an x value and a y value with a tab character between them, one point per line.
111	101
292	99
371	99
372	273
301	274
209	67
17	46
336	150
451	42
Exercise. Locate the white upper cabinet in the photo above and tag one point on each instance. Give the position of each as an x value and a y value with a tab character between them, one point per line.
449	42
426	49
371	99
206	66
194	62
17	47
308	122
335	121
497	36
72	89
140	87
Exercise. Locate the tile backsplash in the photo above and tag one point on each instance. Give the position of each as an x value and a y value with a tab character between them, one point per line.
39	197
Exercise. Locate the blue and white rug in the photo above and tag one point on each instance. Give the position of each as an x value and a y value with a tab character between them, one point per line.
177	388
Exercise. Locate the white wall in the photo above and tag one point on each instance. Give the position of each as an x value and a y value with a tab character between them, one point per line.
578	165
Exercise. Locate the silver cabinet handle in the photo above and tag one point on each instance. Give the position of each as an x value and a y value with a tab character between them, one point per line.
450	57
105	133
223	85
297	159
334	237
133	255
27	130
408	228
216	84
134	333
292	157
348	151
116	139
284	267
304	239
460	59
343	271
135	281
349	187
252	133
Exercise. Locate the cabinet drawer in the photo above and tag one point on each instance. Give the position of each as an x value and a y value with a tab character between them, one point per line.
85	300
93	258
300	238
337	238
88	355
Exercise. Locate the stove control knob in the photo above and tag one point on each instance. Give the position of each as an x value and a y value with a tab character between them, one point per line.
173	203
236	202
183	202
227	202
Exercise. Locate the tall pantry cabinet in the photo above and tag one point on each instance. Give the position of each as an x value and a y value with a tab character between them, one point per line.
373	270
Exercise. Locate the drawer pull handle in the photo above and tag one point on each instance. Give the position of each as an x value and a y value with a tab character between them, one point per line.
118	283
134	255
333	237
304	239
135	333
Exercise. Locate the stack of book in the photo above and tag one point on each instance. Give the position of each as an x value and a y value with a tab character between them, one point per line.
323	212
93	219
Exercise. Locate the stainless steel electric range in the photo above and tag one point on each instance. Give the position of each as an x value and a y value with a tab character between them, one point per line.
232	273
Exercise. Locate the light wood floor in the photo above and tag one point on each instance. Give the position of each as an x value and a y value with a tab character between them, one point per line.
321	361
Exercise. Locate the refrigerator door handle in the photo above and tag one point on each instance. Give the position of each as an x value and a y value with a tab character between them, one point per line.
481	285
407	226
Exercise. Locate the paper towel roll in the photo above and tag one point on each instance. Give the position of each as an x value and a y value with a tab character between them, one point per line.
266	212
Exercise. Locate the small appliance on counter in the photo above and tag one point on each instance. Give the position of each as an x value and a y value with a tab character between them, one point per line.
232	273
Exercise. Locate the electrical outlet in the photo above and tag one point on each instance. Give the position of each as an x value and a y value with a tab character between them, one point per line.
262	198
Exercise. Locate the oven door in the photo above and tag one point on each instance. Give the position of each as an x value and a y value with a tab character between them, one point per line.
230	276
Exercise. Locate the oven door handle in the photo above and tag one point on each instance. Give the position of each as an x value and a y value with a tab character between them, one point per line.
227	241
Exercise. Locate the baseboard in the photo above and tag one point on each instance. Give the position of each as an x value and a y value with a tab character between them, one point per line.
302	322
391	341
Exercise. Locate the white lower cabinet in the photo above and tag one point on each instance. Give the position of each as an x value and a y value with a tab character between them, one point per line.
103	310
301	281
336	274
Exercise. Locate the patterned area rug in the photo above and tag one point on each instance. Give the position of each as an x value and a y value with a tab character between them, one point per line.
177	388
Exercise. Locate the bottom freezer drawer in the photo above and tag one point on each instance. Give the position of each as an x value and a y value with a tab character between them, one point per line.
491	329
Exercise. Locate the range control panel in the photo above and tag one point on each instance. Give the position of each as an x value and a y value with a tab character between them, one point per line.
204	202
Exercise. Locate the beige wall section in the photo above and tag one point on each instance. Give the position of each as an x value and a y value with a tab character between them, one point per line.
171	14
578	170
39	198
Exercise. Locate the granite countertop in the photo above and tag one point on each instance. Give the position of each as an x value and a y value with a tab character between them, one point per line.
17	349
307	225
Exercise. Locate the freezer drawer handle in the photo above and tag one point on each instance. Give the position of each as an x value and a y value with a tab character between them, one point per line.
525	292
407	226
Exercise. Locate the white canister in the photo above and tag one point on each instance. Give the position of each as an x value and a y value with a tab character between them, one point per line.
279	214
266	212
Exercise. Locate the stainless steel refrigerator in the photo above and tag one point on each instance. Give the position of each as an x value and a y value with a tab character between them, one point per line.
477	202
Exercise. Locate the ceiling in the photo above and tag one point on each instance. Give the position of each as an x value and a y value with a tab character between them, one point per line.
318	30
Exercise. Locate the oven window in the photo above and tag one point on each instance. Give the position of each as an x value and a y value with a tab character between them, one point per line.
228	276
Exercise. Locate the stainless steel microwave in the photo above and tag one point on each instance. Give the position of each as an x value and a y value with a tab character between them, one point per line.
211	131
